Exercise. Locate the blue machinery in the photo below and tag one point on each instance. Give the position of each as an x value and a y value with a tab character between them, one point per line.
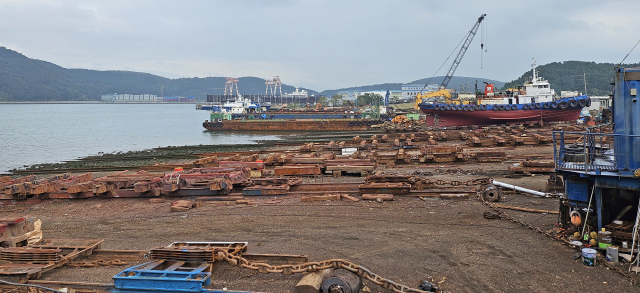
605	167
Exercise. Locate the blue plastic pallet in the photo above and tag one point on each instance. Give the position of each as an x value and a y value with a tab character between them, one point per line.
164	275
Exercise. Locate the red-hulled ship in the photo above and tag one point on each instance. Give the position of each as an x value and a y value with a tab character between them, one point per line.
533	102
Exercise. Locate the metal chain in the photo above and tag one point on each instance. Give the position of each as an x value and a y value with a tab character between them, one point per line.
237	260
97	263
470	182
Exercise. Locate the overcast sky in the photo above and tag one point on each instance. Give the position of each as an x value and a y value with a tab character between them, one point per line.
318	44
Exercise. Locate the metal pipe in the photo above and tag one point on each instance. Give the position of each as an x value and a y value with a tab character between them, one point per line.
518	188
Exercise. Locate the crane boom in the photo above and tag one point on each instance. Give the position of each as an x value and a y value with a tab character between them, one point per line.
463	50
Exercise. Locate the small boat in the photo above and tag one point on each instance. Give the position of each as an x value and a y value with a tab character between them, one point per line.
531	103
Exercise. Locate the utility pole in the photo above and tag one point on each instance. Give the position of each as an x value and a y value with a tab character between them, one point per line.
584	78
162	92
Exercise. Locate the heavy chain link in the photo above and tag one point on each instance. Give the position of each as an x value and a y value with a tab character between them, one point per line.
470	182
97	263
237	260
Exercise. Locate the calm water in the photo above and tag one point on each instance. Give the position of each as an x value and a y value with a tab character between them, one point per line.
49	133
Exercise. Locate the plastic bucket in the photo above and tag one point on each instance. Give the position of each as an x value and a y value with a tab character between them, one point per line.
589	257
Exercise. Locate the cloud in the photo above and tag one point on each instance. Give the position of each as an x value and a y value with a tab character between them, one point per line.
317	44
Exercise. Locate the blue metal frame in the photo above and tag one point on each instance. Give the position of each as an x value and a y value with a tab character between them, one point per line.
175	278
622	169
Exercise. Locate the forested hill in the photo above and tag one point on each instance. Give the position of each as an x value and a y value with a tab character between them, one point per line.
568	76
25	79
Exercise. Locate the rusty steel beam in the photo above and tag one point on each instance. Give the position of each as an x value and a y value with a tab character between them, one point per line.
266	190
296	170
381	188
237	164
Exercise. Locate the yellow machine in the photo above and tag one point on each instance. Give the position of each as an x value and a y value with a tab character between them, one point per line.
441	93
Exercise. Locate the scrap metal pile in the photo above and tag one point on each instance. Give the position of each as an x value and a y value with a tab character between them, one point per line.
281	172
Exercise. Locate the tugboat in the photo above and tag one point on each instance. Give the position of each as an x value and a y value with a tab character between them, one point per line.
535	102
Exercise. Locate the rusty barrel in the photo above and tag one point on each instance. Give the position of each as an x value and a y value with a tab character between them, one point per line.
341	281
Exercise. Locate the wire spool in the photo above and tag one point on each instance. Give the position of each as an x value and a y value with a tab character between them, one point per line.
341	281
491	193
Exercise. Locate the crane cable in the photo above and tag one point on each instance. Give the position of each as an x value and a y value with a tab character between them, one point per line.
483	32
625	57
445	61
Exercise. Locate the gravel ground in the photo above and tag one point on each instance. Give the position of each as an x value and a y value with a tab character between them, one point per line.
407	240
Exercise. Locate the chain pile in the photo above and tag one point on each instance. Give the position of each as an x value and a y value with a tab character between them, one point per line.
236	260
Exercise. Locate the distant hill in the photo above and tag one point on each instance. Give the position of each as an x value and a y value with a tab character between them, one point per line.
456	83
25	79
568	76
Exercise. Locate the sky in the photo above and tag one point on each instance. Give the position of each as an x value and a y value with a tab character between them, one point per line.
319	45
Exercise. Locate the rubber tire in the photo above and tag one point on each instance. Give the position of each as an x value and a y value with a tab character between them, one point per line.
447	107
459	107
495	107
500	107
563	104
546	106
483	107
538	105
588	102
465	107
554	105
514	107
573	103
582	103
436	107
525	107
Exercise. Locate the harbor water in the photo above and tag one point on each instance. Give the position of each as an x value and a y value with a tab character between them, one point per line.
50	133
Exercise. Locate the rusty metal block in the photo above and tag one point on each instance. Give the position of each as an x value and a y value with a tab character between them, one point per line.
296	170
233	164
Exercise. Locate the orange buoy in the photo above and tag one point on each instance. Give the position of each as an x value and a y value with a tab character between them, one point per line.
177	169
576	219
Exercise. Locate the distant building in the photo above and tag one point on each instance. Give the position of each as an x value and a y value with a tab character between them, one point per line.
353	95
409	91
132	98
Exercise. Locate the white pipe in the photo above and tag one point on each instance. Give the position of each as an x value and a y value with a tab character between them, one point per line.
518	188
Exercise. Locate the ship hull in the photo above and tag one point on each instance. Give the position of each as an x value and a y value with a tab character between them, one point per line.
290	125
459	115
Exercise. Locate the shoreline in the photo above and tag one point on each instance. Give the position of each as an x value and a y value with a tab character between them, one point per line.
168	155
96	102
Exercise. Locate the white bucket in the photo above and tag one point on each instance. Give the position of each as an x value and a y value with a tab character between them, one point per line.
589	257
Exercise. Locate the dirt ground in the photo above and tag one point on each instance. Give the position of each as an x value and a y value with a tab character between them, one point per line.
407	240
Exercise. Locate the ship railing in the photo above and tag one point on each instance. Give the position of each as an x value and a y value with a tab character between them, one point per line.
587	152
